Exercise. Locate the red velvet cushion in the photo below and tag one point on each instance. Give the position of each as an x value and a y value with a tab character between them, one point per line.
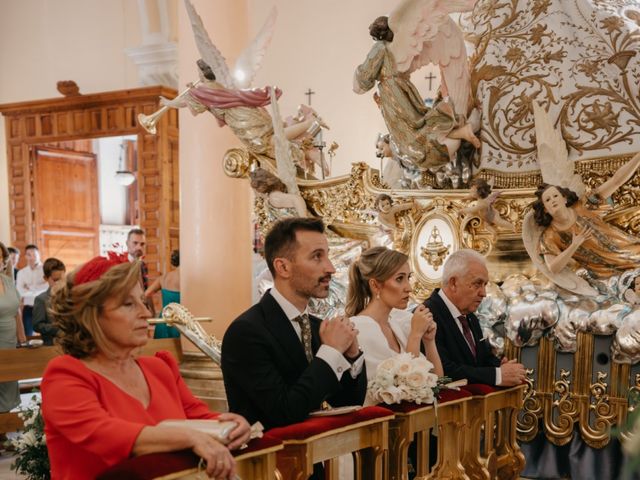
480	389
151	466
447	395
256	444
317	425
147	467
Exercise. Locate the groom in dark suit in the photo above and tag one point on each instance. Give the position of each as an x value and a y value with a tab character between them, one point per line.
278	362
463	350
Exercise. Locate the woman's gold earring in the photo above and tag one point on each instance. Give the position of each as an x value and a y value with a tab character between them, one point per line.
378	296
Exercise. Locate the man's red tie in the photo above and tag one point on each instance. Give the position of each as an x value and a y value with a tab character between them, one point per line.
466	331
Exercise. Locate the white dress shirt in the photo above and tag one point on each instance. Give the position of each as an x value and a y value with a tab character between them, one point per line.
31	283
336	360
455	313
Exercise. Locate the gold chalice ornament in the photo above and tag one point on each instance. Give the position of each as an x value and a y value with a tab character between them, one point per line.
435	251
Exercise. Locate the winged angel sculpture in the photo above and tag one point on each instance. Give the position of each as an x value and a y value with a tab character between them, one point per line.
416	33
227	96
565	229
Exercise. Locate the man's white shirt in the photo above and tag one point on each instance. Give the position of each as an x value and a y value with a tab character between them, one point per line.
31	283
336	360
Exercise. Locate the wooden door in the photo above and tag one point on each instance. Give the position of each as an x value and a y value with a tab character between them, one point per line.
65	199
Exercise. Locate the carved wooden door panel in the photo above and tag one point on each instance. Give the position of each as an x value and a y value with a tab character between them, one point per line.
65	204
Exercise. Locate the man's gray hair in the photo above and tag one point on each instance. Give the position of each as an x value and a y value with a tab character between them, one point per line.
458	263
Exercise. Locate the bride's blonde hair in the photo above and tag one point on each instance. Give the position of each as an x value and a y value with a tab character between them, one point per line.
377	263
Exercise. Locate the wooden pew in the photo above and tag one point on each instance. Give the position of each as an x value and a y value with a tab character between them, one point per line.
30	363
257	462
364	433
496	410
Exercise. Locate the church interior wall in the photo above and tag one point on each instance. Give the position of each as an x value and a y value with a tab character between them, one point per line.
315	45
44	41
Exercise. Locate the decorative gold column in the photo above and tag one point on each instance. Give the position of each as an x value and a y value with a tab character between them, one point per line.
215	224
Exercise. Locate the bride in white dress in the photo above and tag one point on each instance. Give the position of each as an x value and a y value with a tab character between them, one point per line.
379	291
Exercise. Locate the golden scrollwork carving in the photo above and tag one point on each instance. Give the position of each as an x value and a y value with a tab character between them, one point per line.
180	317
597	106
343	199
528	420
559	427
237	162
599	434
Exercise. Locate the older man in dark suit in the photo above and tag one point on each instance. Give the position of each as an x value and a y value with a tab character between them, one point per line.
279	362
463	350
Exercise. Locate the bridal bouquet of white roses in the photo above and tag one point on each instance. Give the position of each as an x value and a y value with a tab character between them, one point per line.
404	377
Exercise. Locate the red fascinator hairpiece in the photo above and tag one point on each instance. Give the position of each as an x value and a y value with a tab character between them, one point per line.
98	266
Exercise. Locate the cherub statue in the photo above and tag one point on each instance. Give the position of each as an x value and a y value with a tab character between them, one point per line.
416	33
227	97
276	195
387	211
632	294
562	230
481	192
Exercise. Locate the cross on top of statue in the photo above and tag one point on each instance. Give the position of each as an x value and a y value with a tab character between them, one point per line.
431	77
308	93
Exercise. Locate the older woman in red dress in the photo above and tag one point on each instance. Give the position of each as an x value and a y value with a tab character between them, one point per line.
102	403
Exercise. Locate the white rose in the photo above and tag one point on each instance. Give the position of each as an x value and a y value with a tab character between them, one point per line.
390	395
421	363
385	379
404	368
425	397
408	393
416	379
388	365
431	380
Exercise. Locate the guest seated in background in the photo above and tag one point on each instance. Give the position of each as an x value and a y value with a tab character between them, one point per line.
101	404
379	282
53	270
279	363
463	350
169	286
30	283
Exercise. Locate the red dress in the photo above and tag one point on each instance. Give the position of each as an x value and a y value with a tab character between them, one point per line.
92	424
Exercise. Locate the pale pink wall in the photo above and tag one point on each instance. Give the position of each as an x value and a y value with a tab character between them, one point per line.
318	45
215	222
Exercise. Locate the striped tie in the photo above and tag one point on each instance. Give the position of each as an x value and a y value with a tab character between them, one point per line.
466	331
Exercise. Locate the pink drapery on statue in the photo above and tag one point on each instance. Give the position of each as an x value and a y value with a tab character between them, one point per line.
227	98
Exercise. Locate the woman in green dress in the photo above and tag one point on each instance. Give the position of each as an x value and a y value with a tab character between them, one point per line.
169	286
11	328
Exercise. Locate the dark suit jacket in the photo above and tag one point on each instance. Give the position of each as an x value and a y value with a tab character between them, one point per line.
266	373
457	359
41	321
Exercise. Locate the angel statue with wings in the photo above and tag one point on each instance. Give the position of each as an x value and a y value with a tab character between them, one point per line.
416	33
565	228
227	96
